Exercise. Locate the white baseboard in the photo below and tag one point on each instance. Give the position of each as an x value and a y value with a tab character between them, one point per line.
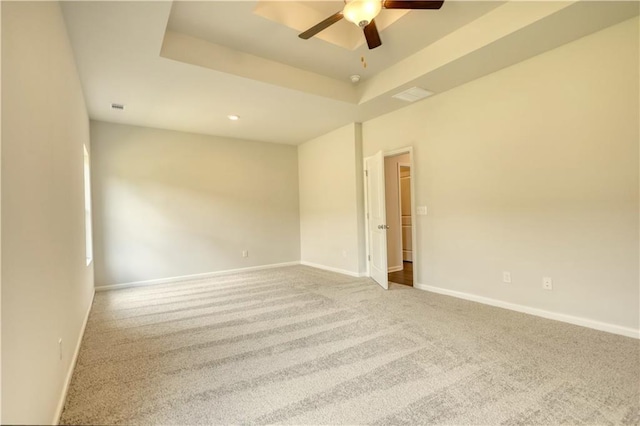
170	280
584	322
329	268
72	366
395	268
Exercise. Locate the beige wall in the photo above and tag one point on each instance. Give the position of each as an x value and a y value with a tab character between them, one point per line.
360	208
331	200
392	199
170	204
532	170
46	285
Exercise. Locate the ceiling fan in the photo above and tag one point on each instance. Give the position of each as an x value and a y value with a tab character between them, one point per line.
363	12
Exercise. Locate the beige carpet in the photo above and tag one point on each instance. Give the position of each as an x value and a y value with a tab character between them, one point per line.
302	346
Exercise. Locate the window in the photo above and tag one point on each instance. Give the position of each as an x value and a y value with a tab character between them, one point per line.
87	208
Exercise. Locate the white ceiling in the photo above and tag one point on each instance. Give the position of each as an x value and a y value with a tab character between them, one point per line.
185	66
233	24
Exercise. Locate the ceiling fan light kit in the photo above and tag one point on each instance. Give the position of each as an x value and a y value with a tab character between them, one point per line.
363	12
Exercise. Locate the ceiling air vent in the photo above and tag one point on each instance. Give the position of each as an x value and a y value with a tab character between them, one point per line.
413	94
117	106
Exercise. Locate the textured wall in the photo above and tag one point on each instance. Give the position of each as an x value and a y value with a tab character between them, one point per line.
532	170
331	200
46	284
170	204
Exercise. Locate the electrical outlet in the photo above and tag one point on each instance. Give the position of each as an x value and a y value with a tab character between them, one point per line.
547	283
245	253
506	277
60	348
421	210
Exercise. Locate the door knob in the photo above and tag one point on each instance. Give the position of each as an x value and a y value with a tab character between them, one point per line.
383	226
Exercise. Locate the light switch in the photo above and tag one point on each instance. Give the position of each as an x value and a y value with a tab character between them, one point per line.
422	210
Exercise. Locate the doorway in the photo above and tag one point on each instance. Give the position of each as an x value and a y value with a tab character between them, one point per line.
384	221
399	218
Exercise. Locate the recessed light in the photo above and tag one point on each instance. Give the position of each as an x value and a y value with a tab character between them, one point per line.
233	117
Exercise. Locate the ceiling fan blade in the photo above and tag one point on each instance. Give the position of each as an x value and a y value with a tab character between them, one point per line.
412	4
321	26
372	35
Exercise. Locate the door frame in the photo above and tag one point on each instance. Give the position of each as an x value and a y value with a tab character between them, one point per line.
414	222
400	165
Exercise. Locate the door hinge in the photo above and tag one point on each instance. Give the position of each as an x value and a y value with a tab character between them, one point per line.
367	215
369	257
366	173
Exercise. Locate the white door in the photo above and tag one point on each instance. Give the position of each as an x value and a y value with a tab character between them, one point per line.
376	223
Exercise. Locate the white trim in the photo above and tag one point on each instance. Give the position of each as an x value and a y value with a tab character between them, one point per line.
399	253
399	151
399	167
395	268
584	322
414	221
72	367
170	280
414	225
332	269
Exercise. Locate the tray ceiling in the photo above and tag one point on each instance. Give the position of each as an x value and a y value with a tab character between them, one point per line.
188	65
